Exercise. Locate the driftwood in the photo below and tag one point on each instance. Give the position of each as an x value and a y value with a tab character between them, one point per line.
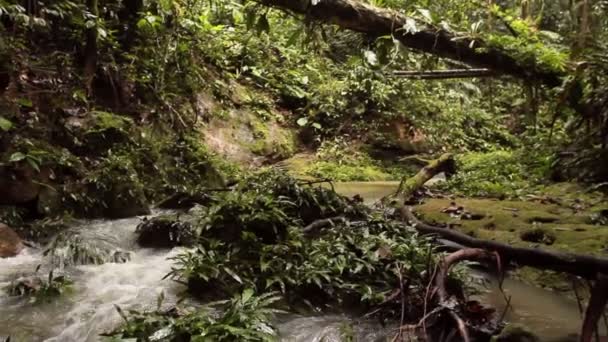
374	21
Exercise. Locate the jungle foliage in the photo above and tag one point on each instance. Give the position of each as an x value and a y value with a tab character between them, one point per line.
257	242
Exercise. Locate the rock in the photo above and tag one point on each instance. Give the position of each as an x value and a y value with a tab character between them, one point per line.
10	242
515	333
85	247
20	185
165	232
437	179
25	286
119	208
183	200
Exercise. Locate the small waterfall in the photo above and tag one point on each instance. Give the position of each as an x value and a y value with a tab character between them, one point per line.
93	255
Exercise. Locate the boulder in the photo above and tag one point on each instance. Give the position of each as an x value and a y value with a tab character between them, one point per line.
165	232
20	185
10	242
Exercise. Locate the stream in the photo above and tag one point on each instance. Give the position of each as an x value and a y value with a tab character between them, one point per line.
90	309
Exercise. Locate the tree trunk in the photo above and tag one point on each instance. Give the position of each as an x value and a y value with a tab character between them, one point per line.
444	74
357	16
130	16
90	50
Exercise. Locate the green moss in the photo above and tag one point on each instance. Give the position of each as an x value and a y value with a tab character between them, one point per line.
102	121
270	139
506	221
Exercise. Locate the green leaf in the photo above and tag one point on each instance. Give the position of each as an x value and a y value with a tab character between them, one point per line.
302	122
33	164
233	275
16	157
5	124
247	294
316	125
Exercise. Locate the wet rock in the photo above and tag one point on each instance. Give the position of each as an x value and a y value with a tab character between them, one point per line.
10	242
76	247
165	232
118	208
184	201
25	286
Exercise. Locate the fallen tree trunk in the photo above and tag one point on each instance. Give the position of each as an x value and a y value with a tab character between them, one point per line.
444	74
586	266
408	186
357	16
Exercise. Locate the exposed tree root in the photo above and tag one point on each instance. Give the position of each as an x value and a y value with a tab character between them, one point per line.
595	309
440	283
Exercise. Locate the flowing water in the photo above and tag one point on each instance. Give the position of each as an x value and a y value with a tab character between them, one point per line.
90	308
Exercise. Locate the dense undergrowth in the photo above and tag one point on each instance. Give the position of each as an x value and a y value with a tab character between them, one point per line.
118	123
257	242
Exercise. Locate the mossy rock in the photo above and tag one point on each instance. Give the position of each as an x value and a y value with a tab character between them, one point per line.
99	131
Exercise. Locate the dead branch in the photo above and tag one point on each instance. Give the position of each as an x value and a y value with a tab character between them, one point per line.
323	223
